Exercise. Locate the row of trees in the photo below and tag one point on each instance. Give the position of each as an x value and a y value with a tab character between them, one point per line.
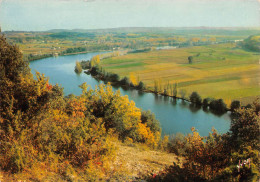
166	88
218	105
97	71
214	104
74	50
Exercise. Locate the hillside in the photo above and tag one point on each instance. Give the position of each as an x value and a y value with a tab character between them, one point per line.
131	162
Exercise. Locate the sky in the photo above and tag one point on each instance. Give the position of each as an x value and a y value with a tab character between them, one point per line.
41	15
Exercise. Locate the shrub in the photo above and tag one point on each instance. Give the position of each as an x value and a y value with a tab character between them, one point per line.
147	117
178	144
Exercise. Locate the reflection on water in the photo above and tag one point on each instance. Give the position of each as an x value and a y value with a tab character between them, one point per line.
174	115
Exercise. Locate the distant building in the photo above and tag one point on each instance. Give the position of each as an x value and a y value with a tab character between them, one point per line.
166	47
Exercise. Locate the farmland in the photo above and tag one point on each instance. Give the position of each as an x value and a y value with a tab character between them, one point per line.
36	45
218	71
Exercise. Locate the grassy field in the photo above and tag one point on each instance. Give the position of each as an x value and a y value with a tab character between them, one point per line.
218	71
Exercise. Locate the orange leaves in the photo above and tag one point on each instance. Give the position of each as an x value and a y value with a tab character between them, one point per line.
76	108
48	86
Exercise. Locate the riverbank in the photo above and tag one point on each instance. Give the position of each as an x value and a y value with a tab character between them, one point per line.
34	58
216	71
216	106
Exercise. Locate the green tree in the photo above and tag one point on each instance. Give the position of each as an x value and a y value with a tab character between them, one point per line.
141	85
218	106
235	105
190	59
195	98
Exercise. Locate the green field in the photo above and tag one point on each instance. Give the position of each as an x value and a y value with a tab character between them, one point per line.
218	71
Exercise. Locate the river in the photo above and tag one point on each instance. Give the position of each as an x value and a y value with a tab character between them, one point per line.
175	116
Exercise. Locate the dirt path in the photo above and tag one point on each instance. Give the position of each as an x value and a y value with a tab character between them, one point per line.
137	161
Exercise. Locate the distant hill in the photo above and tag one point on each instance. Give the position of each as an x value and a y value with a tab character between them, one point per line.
177	30
196	31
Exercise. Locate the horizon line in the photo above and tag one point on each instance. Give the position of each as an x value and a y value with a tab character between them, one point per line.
178	27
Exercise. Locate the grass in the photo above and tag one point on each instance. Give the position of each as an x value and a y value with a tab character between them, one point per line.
218	71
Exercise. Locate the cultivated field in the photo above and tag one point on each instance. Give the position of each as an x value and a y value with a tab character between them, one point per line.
218	71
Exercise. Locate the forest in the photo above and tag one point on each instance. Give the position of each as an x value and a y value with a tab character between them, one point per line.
46	136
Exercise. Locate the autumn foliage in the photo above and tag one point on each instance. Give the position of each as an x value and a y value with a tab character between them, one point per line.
41	131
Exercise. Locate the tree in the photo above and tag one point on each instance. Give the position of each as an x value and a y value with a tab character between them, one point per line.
245	128
156	86
190	58
78	68
175	89
95	60
235	105
114	77
183	93
195	98
125	81
132	78
218	105
141	85
206	102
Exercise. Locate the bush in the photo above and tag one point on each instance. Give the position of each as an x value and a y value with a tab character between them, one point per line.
147	117
195	98
178	144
